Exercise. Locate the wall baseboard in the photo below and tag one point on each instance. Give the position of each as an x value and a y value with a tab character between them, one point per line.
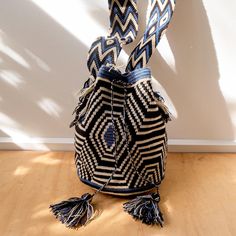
67	144
201	145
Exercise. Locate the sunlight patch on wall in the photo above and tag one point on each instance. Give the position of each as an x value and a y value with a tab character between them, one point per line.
74	17
41	64
228	86
223	31
11	128
22	140
50	107
11	53
122	61
11	78
6	120
166	52
233	118
159	88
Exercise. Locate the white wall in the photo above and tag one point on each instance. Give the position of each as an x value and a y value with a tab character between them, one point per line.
43	51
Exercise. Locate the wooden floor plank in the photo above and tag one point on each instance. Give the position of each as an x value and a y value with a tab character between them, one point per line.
197	196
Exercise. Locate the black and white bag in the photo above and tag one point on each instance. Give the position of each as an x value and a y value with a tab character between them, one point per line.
120	121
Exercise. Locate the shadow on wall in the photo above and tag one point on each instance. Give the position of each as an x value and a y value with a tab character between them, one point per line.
42	66
191	77
194	87
48	64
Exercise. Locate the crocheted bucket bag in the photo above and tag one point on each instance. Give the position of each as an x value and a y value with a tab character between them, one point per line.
120	120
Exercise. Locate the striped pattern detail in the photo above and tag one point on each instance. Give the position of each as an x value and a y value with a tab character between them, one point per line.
123	30
160	14
145	113
147	138
104	51
123	19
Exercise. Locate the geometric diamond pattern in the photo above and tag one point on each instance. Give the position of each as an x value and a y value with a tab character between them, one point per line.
109	136
147	136
145	115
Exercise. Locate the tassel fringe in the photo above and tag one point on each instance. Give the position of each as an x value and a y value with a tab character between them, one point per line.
84	94
74	211
161	103
145	208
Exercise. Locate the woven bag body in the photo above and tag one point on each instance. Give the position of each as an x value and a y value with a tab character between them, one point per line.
142	153
120	121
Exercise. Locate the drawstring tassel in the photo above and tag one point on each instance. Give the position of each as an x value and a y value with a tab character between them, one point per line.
146	209
74	211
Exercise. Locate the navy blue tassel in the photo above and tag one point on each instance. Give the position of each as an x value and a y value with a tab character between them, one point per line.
146	209
74	211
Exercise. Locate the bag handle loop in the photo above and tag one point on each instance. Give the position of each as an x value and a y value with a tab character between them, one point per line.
78	211
123	30
159	16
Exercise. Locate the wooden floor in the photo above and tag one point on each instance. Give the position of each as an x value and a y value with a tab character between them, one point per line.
198	197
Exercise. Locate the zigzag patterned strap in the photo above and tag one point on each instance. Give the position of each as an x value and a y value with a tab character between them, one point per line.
123	30
123	19
160	14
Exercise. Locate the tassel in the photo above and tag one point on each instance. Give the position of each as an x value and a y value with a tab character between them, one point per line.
85	91
80	110
161	103
74	211
88	84
83	97
146	209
